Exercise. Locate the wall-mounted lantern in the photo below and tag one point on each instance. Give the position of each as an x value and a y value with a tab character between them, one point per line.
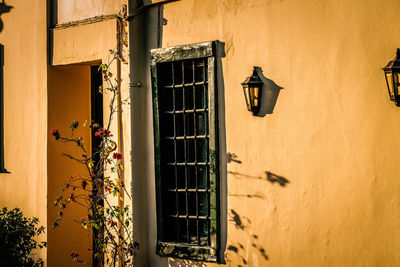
392	73
252	92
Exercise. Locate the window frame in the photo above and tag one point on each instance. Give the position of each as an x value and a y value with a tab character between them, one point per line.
2	166
207	50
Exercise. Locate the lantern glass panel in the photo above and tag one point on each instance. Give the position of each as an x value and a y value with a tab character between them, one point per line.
252	95
389	81
246	96
256	96
396	83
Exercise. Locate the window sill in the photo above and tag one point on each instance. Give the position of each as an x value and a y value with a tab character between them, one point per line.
4	171
175	250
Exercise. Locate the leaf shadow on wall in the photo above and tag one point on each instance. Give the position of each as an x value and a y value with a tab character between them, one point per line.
243	223
269	94
4	8
269	176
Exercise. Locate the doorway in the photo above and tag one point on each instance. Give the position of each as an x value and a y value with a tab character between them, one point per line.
73	94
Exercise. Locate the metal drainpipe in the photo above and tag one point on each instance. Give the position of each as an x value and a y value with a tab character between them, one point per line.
135	7
120	29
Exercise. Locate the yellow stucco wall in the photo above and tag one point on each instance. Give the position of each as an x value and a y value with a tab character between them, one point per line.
333	134
84	43
25	109
72	10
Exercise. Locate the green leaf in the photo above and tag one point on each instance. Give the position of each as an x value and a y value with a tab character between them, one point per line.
74	124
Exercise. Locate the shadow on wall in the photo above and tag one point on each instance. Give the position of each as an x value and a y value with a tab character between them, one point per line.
269	176
232	157
269	94
242	223
4	8
273	178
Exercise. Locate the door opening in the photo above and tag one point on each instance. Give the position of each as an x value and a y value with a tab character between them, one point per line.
96	122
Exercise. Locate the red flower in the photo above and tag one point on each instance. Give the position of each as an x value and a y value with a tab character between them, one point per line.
117	156
108	189
74	254
55	134
103	133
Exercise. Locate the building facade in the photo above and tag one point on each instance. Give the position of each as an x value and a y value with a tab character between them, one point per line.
311	180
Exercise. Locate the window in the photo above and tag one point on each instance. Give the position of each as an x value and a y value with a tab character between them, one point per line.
186	150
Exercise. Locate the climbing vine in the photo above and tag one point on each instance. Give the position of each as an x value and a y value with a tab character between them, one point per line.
100	189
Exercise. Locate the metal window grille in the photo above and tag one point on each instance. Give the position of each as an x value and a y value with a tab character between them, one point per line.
186	150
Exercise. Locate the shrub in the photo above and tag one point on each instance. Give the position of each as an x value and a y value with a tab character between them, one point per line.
17	239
